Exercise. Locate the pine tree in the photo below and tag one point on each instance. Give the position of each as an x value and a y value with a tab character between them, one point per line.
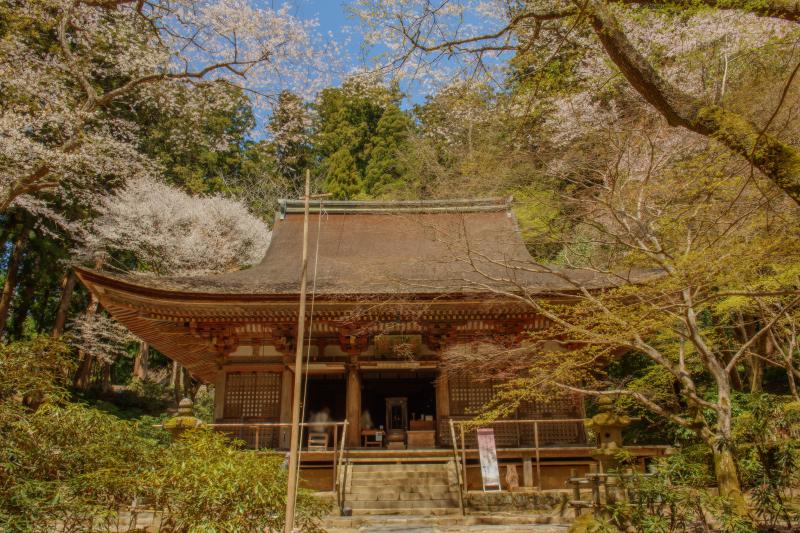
343	180
384	169
347	121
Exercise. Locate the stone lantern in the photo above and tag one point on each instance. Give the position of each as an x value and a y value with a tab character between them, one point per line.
608	427
183	420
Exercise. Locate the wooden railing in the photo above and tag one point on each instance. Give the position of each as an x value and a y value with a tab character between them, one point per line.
340	472
462	482
560	431
466	427
268	435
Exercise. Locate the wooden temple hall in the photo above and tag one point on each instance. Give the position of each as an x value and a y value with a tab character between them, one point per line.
391	286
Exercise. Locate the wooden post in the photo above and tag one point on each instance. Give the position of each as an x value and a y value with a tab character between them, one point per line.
536	448
353	406
294	444
576	489
442	403
527	471
464	459
219	396
335	447
287	378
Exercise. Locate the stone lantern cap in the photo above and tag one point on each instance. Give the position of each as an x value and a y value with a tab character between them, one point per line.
183	420
606	418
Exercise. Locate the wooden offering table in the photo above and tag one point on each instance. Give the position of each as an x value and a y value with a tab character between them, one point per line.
372	438
422	434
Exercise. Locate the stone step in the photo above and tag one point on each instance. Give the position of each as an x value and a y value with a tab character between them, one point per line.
406	467
421	488
411	510
447	519
392	495
391	521
373	482
398	473
399	481
421	505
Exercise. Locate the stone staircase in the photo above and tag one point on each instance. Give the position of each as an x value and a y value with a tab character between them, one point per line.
401	489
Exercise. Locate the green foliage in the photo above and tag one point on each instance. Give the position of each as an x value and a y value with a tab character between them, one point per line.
205	484
765	432
343	179
70	467
674	497
358	134
384	170
35	370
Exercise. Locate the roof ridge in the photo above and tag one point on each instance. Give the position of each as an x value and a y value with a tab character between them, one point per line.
461	205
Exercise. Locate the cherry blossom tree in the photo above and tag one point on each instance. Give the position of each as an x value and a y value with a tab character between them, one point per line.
70	64
170	232
166	231
473	35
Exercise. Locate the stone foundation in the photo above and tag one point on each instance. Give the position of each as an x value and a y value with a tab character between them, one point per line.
544	501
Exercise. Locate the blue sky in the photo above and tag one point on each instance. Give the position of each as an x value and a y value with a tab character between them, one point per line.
333	17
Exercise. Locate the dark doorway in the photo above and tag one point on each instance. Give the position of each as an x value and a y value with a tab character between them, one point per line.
417	387
326	392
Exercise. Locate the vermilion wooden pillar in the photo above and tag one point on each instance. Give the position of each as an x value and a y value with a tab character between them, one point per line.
442	402
219	396
353	406
287	388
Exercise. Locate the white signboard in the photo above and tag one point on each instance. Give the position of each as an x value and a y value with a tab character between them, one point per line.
490	473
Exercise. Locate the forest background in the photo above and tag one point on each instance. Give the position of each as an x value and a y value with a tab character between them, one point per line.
657	136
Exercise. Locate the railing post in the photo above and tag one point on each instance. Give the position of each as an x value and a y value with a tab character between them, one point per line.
335	446
341	474
536	451
576	489
459	479
464	457
257	440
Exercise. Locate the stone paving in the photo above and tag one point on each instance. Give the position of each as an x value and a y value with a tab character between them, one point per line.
528	528
478	523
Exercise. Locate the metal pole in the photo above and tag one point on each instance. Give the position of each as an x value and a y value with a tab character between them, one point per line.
291	489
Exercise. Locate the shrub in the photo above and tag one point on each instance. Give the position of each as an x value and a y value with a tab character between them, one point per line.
207	484
71	465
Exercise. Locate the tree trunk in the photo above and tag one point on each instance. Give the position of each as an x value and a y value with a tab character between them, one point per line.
83	376
11	274
728	480
778	161
67	288
84	373
755	372
141	363
175	381
29	276
106	385
790	377
43	314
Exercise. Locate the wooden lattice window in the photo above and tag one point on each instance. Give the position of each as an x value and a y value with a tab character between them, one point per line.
254	396
468	396
569	407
